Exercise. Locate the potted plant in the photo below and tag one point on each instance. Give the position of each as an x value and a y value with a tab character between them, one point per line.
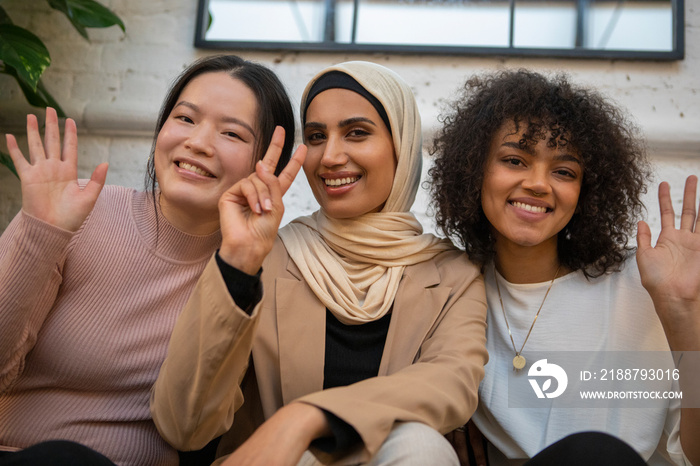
25	57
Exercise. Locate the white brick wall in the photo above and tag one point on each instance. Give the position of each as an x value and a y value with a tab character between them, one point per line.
113	87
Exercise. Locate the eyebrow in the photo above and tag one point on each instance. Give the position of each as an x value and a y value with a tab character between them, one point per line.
341	123
225	119
558	157
315	125
353	120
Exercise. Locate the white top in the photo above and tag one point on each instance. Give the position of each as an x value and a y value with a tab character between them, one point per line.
610	313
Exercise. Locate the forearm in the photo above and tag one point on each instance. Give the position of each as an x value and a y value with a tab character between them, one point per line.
198	389
439	389
421	393
680	322
31	261
682	330
309	422
690	432
282	439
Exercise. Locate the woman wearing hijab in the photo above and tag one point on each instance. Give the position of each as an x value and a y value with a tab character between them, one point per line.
361	337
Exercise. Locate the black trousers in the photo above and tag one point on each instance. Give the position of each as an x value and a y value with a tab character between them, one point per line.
587	449
55	453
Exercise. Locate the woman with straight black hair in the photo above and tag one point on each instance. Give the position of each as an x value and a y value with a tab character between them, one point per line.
92	279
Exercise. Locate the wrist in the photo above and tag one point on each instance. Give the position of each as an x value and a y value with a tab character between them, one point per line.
245	259
311	421
680	324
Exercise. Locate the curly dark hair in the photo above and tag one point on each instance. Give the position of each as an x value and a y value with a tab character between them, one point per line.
615	167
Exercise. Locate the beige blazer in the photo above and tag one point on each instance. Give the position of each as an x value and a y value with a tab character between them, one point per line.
430	370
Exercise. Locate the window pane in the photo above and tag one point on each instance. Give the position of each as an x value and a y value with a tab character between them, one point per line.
545	24
631	25
433	22
266	20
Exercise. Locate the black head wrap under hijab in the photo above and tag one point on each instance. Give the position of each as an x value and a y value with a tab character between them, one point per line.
339	80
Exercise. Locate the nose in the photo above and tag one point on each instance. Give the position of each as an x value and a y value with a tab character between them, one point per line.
200	139
537	180
334	153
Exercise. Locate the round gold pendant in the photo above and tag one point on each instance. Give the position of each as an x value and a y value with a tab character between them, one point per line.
518	362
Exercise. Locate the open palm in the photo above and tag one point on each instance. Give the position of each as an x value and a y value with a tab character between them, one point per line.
670	271
50	189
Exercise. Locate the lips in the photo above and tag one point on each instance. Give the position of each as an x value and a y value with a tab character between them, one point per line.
194	169
530	208
338	182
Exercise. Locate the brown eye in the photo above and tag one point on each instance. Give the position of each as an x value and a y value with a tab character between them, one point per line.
315	138
565	173
358	133
513	161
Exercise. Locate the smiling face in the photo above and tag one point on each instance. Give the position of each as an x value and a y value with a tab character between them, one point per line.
205	146
350	163
529	194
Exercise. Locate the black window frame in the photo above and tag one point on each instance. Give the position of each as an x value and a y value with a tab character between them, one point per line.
330	46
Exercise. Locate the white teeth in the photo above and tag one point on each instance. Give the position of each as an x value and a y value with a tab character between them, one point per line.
529	208
341	181
193	169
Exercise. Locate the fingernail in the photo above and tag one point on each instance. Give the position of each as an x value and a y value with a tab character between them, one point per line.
268	205
258	210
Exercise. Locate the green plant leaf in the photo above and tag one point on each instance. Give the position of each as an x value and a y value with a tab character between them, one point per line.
24	52
62	6
7	161
39	96
87	14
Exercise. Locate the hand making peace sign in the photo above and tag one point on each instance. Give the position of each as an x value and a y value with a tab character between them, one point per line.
252	209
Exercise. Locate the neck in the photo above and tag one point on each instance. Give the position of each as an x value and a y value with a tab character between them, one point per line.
533	264
197	225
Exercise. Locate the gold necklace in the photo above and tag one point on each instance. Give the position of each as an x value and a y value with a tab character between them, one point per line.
519	360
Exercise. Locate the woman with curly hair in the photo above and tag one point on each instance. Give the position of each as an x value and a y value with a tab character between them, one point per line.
540	181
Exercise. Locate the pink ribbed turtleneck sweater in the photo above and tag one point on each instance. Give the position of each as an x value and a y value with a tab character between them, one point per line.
85	320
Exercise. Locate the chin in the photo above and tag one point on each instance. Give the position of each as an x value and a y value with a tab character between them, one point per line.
531	241
348	209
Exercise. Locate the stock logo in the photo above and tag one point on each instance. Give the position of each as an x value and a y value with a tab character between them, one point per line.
546	371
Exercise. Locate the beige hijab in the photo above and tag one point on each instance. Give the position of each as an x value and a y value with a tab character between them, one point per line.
354	266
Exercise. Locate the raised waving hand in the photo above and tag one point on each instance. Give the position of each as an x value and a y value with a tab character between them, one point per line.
251	210
50	190
670	271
